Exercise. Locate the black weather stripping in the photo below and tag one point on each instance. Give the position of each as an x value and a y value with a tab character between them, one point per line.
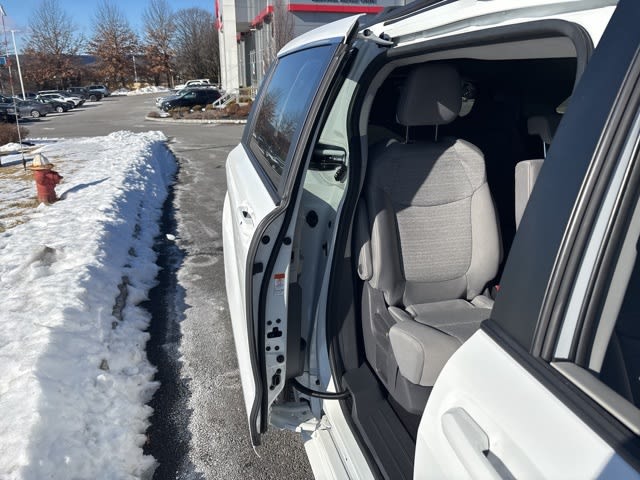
324	395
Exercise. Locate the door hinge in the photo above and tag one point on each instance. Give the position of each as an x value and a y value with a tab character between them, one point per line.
383	40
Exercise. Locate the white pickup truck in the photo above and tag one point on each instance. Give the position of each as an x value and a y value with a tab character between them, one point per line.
193	83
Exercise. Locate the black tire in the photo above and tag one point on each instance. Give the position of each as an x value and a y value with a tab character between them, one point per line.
35	114
59	109
93	98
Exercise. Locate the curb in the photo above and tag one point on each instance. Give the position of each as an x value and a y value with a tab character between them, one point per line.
221	121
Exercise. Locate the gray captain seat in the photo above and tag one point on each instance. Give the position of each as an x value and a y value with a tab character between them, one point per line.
427	241
527	171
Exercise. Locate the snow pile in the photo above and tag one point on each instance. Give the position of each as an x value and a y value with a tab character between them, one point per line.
150	89
139	91
119	92
75	379
10	147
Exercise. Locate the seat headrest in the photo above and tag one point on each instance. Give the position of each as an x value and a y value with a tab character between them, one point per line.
544	125
432	96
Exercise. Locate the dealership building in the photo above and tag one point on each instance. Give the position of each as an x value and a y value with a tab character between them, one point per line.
252	31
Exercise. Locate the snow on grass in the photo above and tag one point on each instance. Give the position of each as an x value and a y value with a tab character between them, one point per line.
75	380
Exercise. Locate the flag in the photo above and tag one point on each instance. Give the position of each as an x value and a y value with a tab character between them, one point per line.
218	23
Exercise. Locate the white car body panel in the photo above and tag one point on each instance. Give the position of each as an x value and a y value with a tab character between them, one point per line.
193	83
246	193
471	15
529	429
480	380
334	30
347	456
75	100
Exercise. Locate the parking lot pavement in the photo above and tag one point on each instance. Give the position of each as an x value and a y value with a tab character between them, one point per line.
205	433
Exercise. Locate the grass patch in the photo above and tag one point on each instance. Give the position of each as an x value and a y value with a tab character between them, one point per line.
15	172
19	198
13	214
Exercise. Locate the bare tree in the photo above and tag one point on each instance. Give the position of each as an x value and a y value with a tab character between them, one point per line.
283	24
196	44
114	44
51	46
159	29
282	29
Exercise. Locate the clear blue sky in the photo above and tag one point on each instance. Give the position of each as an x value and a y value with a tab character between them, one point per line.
81	11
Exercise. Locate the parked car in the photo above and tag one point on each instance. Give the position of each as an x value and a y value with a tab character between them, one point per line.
62	96
172	96
8	112
82	92
57	105
197	82
99	88
33	108
371	205
191	98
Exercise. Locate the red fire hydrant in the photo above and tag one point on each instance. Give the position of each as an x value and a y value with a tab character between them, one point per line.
46	178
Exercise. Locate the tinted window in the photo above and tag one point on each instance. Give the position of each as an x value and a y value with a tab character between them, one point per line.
284	104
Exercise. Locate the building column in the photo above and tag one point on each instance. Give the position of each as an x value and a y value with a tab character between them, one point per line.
228	46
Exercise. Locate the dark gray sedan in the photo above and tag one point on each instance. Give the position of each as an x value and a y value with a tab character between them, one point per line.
33	108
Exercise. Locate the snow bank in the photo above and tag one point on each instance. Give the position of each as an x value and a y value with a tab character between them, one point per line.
139	91
75	379
10	147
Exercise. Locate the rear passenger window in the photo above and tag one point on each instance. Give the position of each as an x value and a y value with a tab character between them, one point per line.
284	105
598	348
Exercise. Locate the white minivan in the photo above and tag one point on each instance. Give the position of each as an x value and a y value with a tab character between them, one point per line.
430	242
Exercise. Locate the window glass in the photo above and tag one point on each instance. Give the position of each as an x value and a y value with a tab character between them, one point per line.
615	349
284	104
621	365
599	343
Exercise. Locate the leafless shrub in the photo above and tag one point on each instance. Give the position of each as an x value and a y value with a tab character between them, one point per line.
9	133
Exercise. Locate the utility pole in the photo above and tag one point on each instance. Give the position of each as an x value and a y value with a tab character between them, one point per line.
15	106
15	51
135	72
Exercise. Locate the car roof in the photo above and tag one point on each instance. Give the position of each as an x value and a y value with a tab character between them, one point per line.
328	33
433	19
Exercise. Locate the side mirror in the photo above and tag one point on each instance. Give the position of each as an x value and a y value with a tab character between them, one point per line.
329	157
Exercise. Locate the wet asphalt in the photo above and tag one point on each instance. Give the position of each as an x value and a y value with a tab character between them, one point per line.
199	426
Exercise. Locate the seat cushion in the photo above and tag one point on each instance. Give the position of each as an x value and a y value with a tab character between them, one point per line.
422	347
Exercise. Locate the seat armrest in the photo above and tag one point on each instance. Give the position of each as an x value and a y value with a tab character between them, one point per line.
421	351
399	314
363	243
526	175
482	301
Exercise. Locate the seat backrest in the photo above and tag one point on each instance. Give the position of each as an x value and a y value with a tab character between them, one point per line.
525	178
527	171
432	224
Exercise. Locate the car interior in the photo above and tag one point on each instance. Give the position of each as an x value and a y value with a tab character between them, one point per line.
455	140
